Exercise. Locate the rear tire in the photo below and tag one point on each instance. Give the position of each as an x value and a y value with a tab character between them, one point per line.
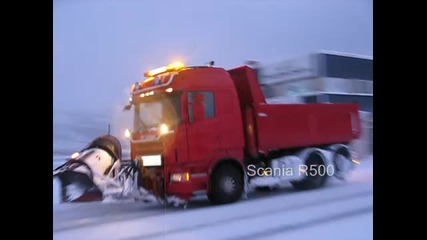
226	185
314	178
342	162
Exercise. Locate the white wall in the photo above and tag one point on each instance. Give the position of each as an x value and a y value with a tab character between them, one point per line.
312	85
296	87
347	85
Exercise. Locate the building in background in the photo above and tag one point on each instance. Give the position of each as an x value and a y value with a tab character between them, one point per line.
324	77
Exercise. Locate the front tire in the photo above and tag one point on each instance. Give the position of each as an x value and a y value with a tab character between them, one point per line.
226	185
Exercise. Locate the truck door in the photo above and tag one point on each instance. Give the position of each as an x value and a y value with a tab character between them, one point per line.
203	133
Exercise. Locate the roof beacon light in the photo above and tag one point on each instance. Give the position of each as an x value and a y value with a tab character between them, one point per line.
176	66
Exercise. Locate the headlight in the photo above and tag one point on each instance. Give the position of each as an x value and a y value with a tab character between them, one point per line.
127	133
151	160
164	129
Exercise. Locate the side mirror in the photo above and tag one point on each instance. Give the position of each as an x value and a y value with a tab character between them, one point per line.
127	107
199	107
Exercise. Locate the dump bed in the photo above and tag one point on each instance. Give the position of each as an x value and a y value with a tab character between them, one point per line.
283	126
301	125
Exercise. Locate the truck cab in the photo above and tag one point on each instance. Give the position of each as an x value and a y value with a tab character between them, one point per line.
186	121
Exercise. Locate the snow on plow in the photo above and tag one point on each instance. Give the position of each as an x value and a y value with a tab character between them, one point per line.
97	173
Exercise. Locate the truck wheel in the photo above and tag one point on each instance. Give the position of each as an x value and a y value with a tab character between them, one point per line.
227	185
342	162
315	176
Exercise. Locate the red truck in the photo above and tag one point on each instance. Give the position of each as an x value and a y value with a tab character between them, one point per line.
207	130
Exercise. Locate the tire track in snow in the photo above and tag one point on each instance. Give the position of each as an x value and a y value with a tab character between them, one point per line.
301	225
257	215
148	211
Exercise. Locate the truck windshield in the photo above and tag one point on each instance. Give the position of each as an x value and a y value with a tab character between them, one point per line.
153	111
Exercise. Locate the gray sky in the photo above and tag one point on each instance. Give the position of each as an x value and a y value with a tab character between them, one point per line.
101	47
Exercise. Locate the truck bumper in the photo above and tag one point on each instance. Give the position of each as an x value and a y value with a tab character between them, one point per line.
196	184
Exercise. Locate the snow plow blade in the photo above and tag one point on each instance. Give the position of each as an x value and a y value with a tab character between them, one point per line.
82	176
97	173
78	187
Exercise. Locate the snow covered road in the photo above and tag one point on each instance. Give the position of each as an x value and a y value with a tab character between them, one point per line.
341	210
